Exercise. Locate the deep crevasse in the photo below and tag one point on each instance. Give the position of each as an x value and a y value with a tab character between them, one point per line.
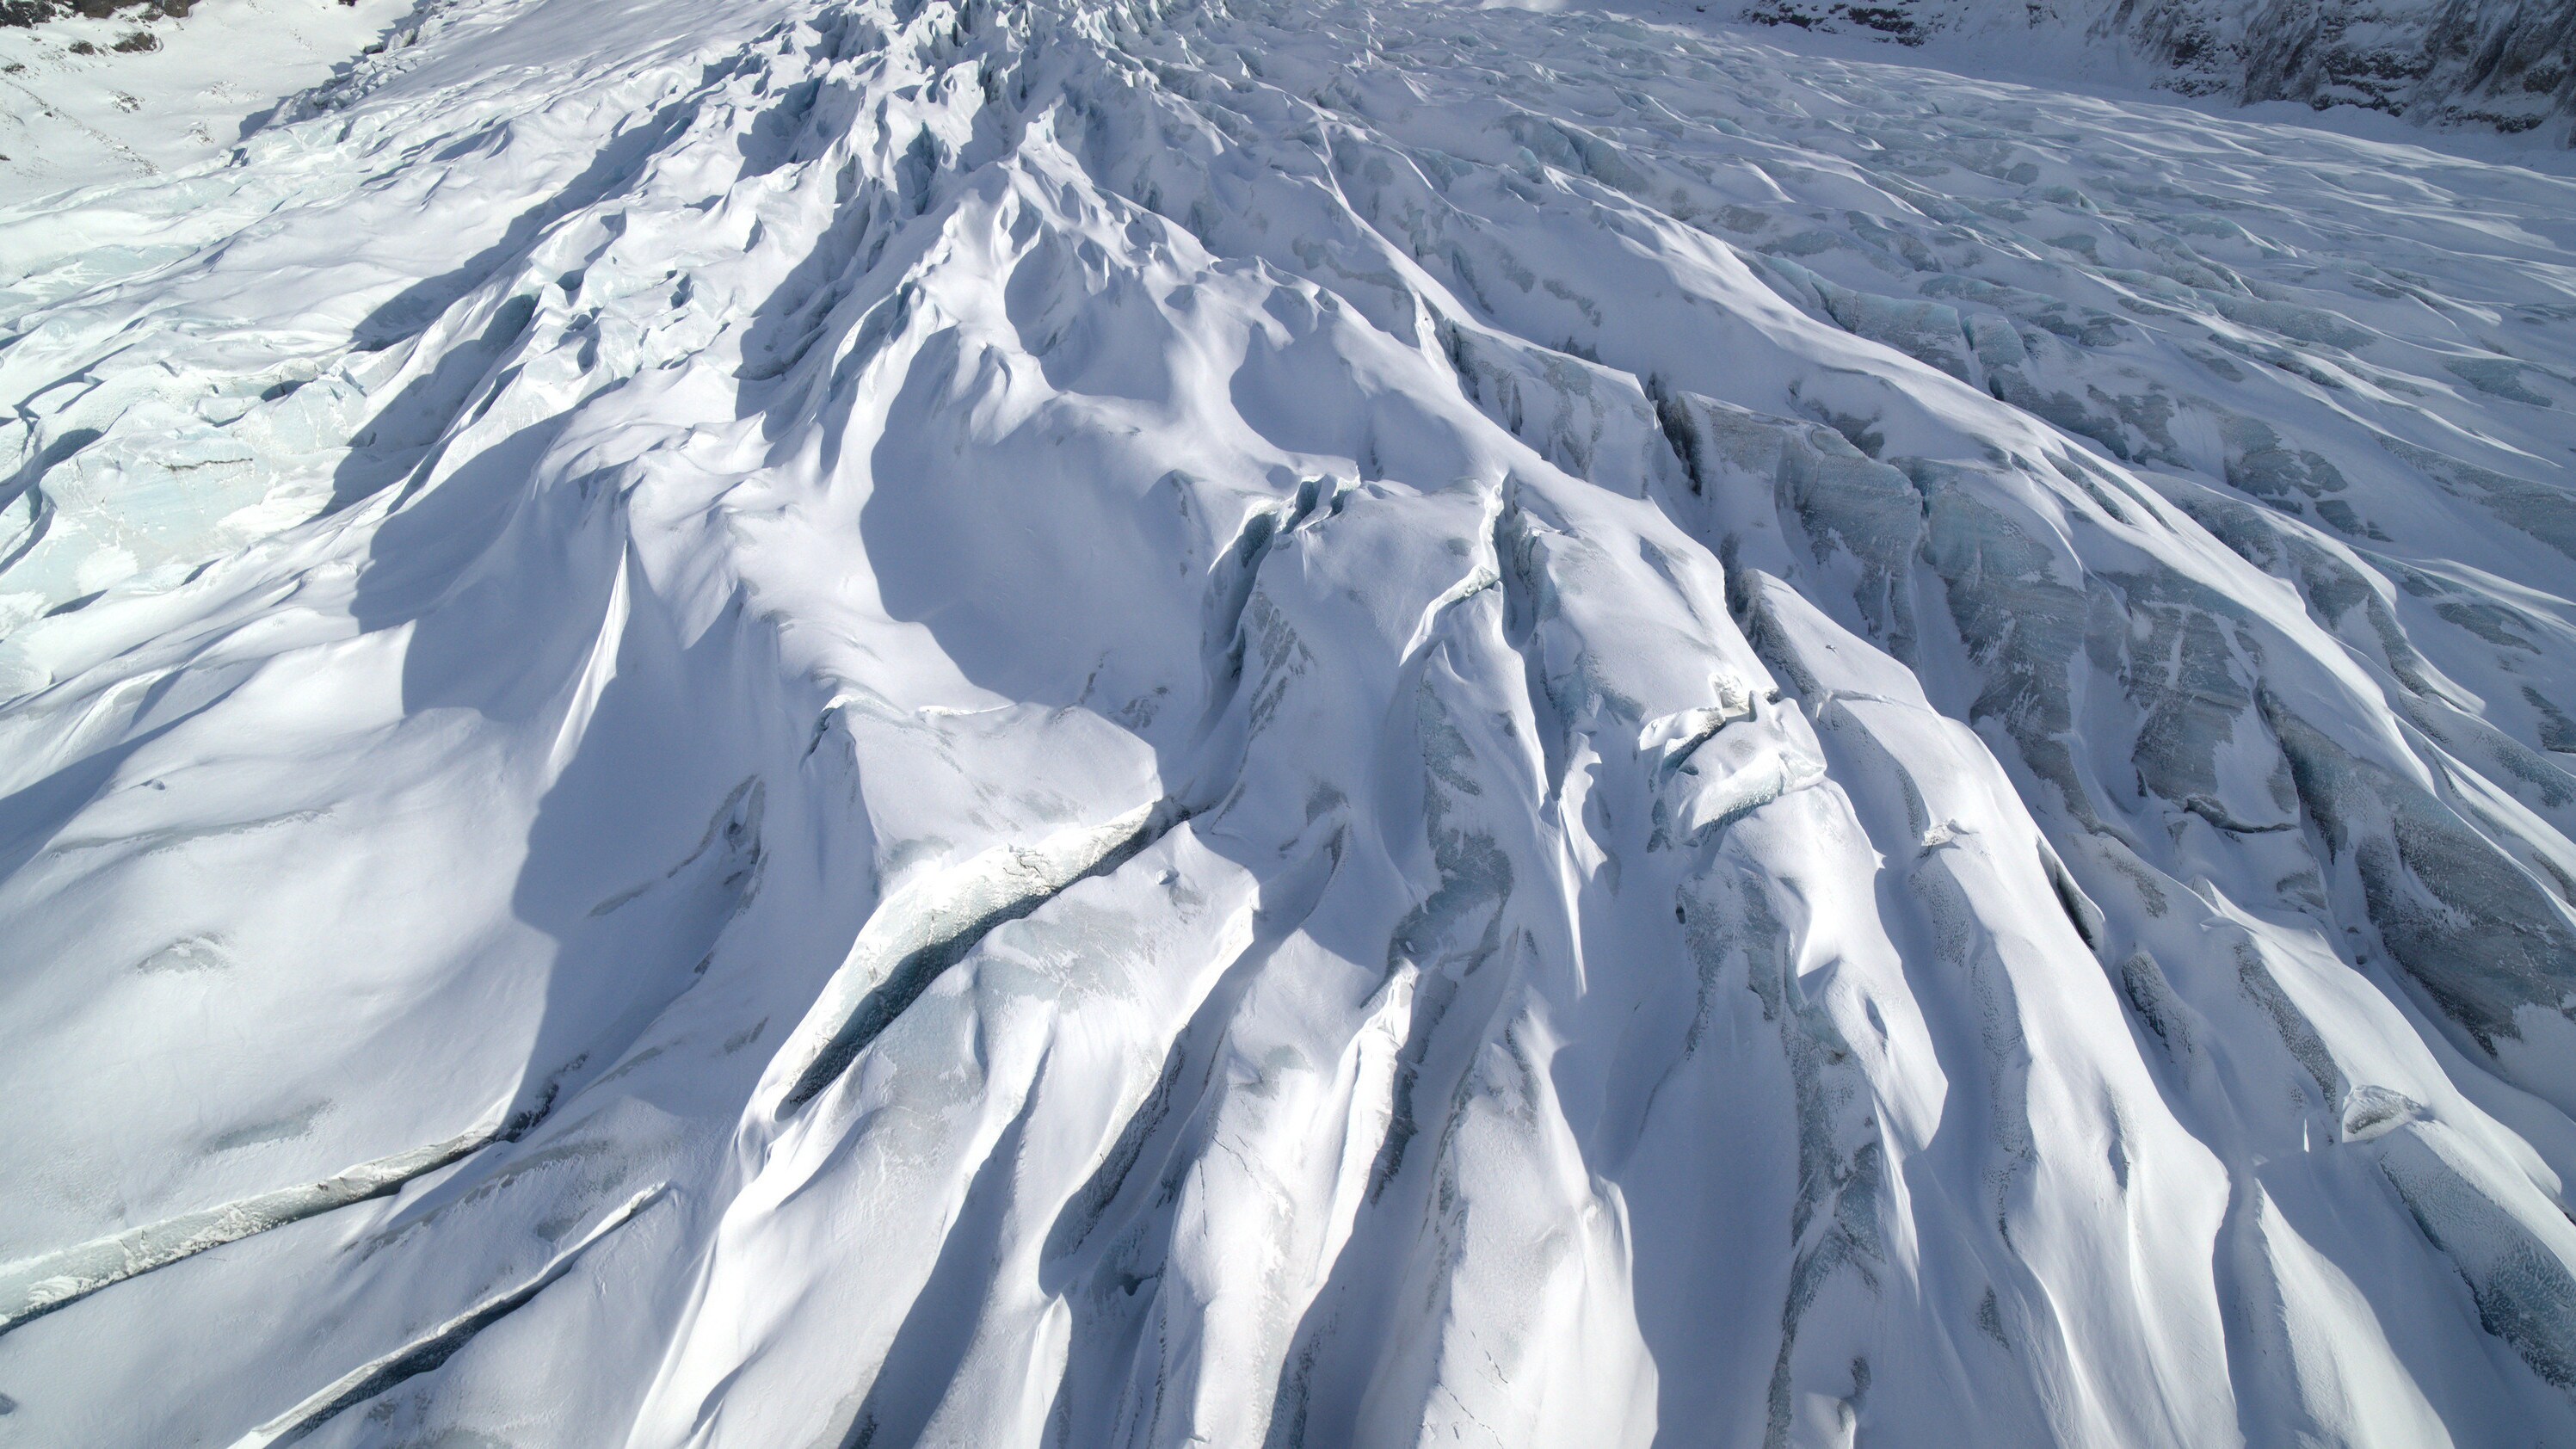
1281	724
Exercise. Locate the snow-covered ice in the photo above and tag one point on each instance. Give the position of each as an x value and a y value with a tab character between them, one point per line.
1286	722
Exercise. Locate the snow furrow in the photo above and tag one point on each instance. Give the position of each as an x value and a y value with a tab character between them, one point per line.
427	1353
34	1287
923	939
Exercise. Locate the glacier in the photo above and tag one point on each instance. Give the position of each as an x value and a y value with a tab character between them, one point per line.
2505	65
1280	722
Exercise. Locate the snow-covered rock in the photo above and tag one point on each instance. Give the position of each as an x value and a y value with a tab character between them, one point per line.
1296	722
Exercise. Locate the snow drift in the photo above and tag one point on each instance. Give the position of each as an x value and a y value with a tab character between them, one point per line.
1281	723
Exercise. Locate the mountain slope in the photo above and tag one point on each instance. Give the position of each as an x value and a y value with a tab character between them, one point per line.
1282	724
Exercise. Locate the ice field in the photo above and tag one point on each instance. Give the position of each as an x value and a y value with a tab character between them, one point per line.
1274	723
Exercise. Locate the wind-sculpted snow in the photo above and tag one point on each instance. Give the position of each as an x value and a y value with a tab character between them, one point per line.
1292	724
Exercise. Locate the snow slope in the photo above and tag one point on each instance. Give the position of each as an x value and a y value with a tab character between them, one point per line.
1281	723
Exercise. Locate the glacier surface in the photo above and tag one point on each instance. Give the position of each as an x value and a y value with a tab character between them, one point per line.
2503	65
1280	722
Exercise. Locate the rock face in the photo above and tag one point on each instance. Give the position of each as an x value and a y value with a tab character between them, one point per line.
2505	64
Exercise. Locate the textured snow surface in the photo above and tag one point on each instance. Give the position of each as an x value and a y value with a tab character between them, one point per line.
71	119
2509	65
776	724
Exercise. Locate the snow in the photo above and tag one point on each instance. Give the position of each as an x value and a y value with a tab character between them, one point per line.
2501	69
1278	723
75	120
